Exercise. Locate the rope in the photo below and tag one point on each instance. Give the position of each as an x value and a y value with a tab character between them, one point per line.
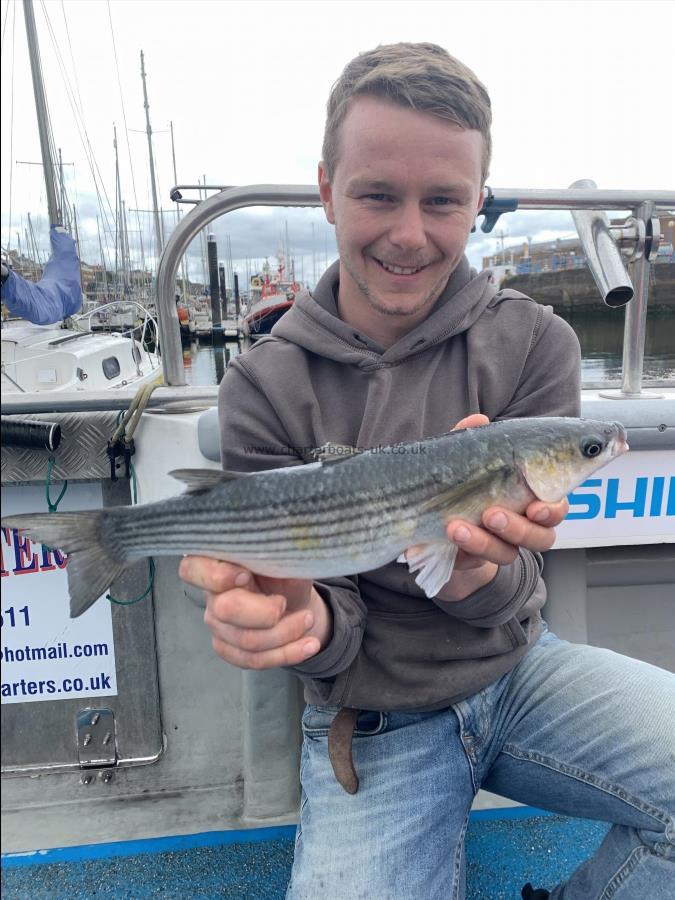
53	506
135	412
139	404
81	127
151	580
126	131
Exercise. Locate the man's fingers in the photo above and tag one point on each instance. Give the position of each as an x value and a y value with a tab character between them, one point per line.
289	655
549	514
243	608
212	574
472	421
291	628
518	530
478	542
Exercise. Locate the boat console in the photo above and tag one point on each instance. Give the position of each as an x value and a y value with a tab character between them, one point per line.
123	724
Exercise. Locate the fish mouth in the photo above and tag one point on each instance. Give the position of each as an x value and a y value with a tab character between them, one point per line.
620	442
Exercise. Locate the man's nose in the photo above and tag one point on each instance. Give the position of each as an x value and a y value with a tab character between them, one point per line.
407	231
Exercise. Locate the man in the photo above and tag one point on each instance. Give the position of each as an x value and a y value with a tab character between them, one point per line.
433	698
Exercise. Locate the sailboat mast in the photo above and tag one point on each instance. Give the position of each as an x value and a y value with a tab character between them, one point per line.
55	216
117	215
158	225
105	274
175	181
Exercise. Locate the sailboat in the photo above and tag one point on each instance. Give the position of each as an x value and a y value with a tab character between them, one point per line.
63	356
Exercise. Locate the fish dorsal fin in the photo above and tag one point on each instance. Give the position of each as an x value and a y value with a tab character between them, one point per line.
203	479
331	452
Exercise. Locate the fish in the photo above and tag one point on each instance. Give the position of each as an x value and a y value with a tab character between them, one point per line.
350	511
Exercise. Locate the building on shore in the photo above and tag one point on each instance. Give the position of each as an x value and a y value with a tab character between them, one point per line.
561	253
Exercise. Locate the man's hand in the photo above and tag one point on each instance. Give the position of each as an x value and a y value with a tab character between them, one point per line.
258	622
496	543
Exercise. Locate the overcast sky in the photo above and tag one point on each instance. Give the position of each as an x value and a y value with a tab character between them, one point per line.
579	90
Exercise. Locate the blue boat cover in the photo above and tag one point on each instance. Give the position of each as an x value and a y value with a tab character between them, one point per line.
58	293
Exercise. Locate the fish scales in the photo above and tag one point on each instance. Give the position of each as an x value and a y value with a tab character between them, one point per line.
329	509
184	535
339	517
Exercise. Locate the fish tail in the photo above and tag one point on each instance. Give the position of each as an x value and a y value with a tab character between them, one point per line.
91	566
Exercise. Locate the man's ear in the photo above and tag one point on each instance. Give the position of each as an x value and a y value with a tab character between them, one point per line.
481	198
326	193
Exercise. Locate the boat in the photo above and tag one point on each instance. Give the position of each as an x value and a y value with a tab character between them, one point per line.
270	296
142	741
70	356
40	358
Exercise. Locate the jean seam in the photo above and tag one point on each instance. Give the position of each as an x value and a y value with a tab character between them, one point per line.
593	780
457	863
463	731
627	868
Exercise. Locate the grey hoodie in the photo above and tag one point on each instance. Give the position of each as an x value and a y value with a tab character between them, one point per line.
317	380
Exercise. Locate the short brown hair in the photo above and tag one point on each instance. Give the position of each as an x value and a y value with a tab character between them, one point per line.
421	76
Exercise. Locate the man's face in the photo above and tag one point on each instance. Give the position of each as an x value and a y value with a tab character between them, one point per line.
403	199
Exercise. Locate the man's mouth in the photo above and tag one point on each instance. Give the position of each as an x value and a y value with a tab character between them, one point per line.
399	270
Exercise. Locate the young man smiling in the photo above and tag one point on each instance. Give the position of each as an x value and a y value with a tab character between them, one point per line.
413	704
403	198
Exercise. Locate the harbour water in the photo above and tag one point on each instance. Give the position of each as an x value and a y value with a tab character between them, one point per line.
600	335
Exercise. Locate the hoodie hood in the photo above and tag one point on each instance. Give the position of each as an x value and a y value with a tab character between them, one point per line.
313	322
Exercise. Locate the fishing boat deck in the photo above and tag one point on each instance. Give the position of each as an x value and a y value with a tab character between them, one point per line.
505	848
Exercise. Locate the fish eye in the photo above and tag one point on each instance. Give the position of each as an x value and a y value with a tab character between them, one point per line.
592	447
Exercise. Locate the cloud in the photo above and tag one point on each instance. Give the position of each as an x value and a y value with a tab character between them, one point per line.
259	233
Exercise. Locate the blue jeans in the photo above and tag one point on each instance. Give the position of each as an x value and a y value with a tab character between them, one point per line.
573	729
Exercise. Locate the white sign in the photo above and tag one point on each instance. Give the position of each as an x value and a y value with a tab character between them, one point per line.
45	654
630	501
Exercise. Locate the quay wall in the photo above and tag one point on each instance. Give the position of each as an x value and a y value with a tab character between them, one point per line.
573	290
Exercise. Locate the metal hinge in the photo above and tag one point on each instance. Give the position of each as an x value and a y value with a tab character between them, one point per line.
96	743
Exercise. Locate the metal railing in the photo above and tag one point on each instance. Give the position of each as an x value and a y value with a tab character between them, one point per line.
641	204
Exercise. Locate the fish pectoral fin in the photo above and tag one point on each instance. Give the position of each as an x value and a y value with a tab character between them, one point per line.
484	483
433	563
331	452
203	479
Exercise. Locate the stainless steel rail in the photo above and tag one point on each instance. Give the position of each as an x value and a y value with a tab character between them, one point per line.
635	327
189	228
308	195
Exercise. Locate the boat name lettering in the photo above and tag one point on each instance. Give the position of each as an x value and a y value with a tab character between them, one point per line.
645	497
27	557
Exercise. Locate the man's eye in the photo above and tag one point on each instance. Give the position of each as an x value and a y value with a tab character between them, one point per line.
441	201
378	197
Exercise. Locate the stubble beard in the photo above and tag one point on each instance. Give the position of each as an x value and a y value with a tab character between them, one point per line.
427	300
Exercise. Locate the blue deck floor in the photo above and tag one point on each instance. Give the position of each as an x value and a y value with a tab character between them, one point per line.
504	849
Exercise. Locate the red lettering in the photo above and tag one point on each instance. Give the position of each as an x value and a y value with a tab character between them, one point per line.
6	540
